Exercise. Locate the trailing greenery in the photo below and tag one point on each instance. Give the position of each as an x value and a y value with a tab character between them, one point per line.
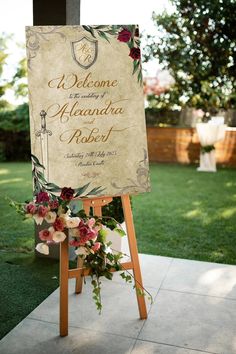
196	43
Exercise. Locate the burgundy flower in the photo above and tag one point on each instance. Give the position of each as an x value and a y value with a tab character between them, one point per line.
124	36
42	197
135	53
31	208
59	224
136	33
84	230
67	193
54	204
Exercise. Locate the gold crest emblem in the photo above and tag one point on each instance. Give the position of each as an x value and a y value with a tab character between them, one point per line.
84	52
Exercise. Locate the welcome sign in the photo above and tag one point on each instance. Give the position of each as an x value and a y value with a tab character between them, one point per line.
86	109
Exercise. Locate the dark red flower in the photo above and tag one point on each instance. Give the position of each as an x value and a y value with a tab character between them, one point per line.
67	193
54	204
59	224
135	53
124	36
42	197
136	33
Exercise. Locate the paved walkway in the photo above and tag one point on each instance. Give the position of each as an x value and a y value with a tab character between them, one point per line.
194	312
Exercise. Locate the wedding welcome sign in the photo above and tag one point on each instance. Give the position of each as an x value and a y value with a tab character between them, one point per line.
87	110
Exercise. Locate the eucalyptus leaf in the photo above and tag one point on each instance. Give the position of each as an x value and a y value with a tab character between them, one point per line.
90	30
103	35
36	161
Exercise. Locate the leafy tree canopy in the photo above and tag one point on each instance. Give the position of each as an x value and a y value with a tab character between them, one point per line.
197	44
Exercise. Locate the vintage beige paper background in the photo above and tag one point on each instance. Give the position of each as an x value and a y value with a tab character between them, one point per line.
95	127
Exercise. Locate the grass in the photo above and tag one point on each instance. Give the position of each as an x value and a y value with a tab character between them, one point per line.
25	280
188	214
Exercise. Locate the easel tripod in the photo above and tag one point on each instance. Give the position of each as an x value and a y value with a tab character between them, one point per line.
79	272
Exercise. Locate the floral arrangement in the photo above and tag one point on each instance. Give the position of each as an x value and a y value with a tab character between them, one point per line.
207	148
87	234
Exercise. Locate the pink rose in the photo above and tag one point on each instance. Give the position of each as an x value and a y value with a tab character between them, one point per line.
31	208
135	53
74	243
96	246
42	197
91	222
42	211
92	234
124	36
59	224
45	235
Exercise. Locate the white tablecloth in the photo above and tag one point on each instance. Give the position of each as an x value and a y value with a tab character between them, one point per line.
209	134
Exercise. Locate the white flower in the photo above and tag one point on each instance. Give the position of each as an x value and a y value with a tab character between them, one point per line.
50	217
38	219
72	222
28	216
42	248
58	236
81	251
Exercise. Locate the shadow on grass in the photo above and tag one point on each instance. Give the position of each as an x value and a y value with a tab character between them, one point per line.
25	282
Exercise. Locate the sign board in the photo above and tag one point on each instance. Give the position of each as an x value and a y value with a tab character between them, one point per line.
87	109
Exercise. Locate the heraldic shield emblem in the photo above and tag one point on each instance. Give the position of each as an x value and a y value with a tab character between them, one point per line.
85	51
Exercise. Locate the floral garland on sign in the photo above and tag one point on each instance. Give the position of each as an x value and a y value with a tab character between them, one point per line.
127	34
89	235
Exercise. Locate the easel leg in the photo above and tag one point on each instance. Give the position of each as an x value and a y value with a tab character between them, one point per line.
79	280
134	254
64	268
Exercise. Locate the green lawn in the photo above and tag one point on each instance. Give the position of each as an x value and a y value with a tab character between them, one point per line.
188	214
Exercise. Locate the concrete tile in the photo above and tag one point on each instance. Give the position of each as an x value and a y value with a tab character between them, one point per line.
37	337
153	268
202	278
192	321
119	315
142	347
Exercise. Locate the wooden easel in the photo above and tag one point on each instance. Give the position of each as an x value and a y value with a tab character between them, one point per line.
79	272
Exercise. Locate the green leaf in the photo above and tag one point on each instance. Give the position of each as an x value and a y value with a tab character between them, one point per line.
80	190
140	76
95	191
90	30
120	231
99	27
36	161
103	35
135	66
40	176
52	187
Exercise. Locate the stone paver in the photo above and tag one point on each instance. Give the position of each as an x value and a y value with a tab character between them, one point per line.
202	278
193	313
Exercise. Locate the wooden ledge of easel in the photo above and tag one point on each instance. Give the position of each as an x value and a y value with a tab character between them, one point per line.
78	272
